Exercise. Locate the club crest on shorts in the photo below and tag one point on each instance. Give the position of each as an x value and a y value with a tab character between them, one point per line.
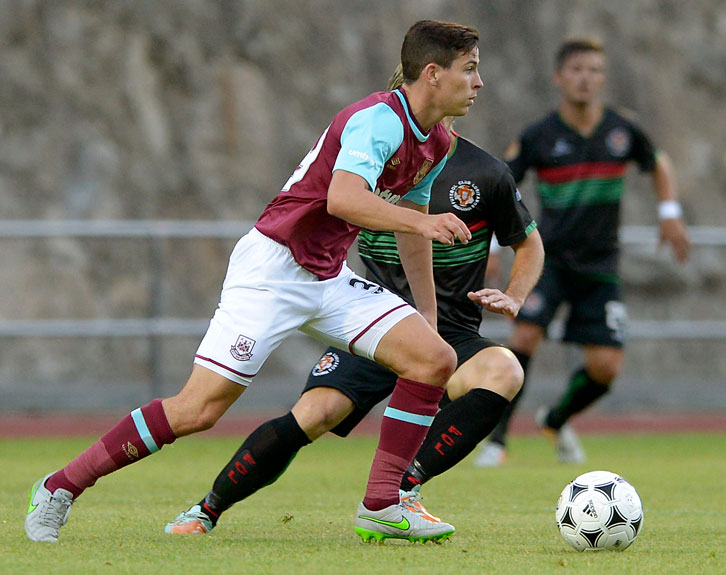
242	350
464	195
326	364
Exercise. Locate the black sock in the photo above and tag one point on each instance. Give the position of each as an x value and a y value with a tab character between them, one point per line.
260	460
454	433
582	391
499	435
444	400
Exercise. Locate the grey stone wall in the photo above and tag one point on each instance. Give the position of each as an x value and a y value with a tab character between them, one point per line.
200	110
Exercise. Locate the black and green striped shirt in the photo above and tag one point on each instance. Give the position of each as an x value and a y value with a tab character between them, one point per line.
580	183
480	190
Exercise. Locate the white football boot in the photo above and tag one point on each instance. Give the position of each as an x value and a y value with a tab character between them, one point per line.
399	522
491	454
567	444
47	512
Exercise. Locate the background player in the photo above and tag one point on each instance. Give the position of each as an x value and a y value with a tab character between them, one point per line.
479	189
580	153
289	273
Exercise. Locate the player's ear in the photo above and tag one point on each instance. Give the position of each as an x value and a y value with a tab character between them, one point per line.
431	73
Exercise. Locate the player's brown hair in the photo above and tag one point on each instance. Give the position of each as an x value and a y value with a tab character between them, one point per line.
576	46
434	41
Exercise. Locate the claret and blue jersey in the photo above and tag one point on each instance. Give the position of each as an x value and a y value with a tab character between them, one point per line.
376	138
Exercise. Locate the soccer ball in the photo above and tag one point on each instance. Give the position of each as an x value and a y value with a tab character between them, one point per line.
599	510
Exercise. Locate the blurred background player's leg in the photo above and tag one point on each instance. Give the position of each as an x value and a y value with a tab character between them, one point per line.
586	386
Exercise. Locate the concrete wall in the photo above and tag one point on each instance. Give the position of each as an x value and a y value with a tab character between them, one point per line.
200	110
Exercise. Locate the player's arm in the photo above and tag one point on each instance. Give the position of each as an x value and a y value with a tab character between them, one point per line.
493	276
526	270
350	199
416	257
672	228
369	139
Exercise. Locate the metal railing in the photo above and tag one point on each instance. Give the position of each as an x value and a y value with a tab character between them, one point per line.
155	326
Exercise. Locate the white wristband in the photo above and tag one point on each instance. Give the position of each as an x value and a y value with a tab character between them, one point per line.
669	210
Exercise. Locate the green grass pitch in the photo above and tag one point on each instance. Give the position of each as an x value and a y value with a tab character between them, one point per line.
304	523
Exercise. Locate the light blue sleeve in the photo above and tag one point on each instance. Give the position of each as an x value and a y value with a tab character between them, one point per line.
421	192
370	137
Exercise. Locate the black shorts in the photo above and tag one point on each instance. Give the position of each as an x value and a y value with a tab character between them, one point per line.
367	383
596	316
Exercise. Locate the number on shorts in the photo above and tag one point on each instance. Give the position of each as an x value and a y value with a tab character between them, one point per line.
616	315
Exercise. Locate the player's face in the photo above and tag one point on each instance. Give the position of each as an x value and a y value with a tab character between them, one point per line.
460	83
581	77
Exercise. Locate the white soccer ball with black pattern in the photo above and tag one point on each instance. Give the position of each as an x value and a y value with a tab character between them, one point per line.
599	510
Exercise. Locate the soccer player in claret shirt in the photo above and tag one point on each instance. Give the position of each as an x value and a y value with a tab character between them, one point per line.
580	153
479	189
371	168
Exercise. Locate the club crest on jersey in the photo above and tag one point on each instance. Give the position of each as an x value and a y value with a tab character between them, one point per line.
423	170
242	350
618	142
561	148
464	195
326	364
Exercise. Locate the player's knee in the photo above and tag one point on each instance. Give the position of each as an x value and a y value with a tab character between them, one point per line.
512	376
605	367
321	409
603	374
442	366
432	361
188	419
315	423
434	368
326	420
503	373
198	421
206	420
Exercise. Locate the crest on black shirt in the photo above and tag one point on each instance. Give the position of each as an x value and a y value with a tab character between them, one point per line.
561	148
618	142
464	195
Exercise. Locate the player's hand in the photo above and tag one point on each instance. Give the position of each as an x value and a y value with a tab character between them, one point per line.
495	301
673	231
445	228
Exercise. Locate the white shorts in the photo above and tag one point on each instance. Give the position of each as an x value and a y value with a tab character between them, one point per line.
267	295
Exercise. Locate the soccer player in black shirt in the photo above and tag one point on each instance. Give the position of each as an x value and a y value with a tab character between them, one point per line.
580	153
342	388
